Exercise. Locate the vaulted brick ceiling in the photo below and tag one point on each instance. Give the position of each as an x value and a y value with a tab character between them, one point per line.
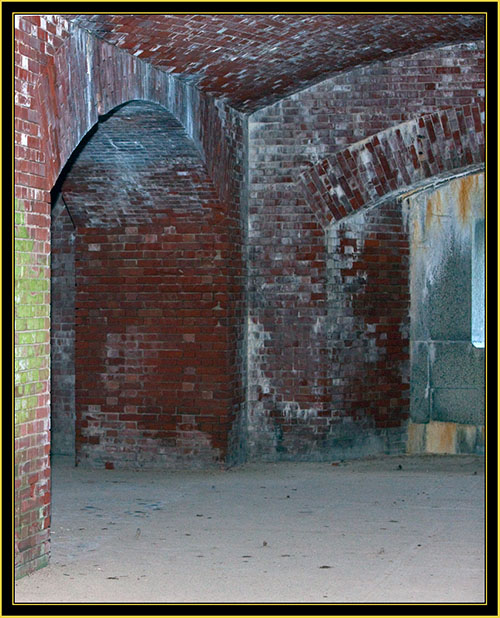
254	60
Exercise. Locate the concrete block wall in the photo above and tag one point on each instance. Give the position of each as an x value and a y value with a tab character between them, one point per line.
448	370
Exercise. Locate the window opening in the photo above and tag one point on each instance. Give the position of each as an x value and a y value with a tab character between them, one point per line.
478	285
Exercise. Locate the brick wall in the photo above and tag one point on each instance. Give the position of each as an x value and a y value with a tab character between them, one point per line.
405	156
62	332
368	331
63	80
156	301
35	44
153	380
293	394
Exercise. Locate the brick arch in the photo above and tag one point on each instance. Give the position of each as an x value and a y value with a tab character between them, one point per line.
394	160
156	374
80	82
66	79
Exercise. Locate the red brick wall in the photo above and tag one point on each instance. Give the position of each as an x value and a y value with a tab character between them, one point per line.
62	333
35	43
63	82
157	297
369	301
220	135
293	394
394	160
153	374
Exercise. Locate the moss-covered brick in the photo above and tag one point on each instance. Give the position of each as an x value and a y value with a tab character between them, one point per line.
26	411
32	310
26	404
23	245
23	351
31	375
32	298
25	258
21	232
30	271
36	323
23	390
20	325
25	338
34	362
32	285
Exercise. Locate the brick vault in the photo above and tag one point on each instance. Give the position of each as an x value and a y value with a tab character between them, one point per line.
219	228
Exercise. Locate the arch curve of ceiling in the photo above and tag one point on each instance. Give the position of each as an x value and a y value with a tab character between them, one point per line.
253	60
136	166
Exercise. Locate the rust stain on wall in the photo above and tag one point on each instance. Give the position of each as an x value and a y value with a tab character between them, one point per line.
465	187
441	437
434	209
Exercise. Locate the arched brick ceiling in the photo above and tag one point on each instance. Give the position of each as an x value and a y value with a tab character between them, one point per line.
254	60
138	165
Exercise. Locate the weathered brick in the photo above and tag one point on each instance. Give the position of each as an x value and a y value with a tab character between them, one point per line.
181	273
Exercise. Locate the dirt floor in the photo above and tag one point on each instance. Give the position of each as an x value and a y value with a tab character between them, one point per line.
387	530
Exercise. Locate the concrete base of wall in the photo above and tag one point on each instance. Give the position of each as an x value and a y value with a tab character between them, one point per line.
445	438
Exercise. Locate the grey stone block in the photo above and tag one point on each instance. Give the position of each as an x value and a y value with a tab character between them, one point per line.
449	302
457	365
419	391
458	405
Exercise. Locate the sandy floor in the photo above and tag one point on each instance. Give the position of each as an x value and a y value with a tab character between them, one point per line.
390	530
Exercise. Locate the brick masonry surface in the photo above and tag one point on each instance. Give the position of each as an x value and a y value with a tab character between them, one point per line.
62	332
63	82
157	287
253	60
272	383
395	160
314	158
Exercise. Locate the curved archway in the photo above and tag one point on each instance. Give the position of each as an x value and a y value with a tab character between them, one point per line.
375	356
76	79
80	83
395	160
154	382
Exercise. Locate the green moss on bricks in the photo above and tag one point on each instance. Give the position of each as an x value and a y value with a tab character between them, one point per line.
25	258
32	375
23	390
22	351
31	298
32	310
36	362
20	324
36	324
25	404
30	271
21	232
25	246
26	338
27	414
32	285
